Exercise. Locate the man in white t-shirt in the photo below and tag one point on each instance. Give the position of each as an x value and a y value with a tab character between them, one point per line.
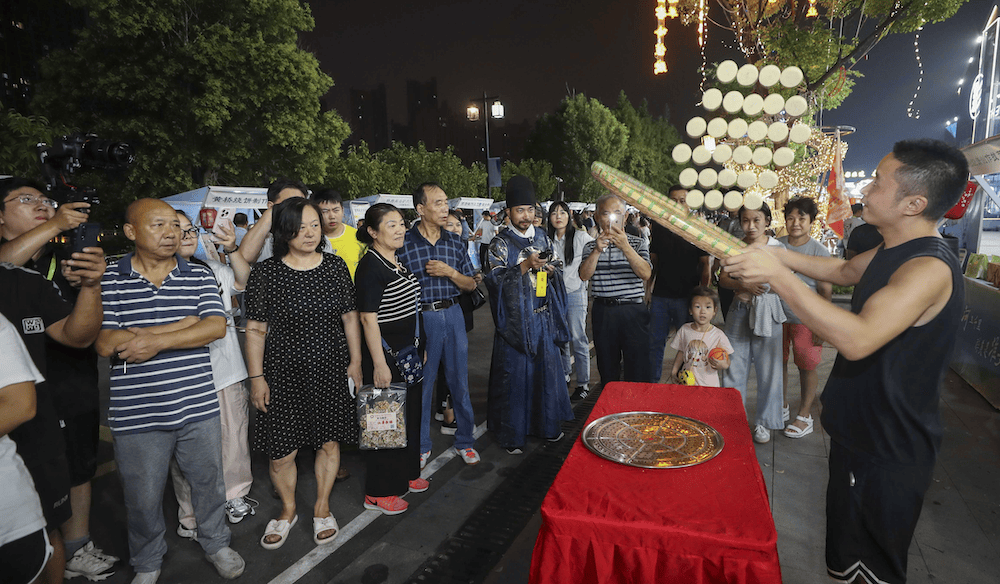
485	232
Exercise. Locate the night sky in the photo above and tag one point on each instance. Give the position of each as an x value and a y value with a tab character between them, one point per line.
529	52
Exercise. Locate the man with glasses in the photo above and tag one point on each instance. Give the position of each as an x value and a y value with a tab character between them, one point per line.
62	462
28	221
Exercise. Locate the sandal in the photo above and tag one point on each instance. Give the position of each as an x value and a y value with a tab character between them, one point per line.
321	524
793	431
279	527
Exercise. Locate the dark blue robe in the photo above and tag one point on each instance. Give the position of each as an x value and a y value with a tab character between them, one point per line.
528	393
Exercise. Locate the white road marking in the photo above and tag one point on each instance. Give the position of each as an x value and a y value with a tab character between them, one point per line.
358	524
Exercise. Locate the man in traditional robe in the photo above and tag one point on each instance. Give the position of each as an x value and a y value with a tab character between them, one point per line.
528	393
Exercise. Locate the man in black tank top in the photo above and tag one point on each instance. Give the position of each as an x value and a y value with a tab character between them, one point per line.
880	405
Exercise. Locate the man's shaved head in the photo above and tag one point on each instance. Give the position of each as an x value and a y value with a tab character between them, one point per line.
142	206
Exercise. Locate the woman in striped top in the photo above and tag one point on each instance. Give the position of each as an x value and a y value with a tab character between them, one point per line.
387	299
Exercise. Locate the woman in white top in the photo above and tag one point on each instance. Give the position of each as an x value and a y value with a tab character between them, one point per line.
568	244
229	373
24	543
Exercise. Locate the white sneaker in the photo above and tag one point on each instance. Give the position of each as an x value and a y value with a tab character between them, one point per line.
99	553
424	457
87	564
227	563
761	435
146	577
240	507
187	533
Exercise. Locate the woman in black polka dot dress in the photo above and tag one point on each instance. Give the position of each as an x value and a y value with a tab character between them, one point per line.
303	342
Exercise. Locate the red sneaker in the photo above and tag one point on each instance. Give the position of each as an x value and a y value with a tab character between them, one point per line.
419	485
388	505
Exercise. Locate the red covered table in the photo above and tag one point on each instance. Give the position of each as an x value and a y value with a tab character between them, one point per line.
607	522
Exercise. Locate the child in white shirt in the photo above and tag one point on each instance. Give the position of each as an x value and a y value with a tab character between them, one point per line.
696	340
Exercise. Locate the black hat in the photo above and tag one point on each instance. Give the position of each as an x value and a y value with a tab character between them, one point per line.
520	191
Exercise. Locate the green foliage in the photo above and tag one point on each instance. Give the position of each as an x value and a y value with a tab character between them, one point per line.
540	173
827	46
207	91
418	165
581	131
18	155
401	169
650	143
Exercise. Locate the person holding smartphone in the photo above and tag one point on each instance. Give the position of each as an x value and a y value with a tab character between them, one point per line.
618	265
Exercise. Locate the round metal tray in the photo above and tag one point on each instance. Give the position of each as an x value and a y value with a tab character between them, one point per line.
652	439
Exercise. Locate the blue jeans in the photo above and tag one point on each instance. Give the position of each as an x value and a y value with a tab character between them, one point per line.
765	354
143	461
664	313
579	345
447	343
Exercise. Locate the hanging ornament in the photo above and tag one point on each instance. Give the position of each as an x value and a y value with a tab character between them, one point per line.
812	9
659	65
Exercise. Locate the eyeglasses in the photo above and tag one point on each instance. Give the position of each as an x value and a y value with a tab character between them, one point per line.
192	232
32	200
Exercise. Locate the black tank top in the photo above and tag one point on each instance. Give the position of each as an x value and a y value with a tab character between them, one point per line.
886	405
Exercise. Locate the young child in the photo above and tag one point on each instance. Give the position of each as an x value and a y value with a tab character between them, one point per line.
753	326
696	340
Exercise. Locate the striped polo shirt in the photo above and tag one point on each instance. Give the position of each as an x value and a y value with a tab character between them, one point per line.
175	387
613	277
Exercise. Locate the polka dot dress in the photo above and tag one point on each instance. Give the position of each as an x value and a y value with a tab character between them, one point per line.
305	354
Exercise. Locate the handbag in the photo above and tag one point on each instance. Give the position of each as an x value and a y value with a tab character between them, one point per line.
408	360
478	298
382	417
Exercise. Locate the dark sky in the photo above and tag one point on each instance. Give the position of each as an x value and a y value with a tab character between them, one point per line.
528	52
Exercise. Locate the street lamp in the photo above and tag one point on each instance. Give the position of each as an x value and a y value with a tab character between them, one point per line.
495	111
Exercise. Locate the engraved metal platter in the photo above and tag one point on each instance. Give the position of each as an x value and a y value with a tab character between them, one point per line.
652	439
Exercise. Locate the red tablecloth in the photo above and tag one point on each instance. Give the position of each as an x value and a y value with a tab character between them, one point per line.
607	522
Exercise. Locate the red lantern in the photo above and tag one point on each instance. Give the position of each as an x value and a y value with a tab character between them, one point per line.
958	210
207	217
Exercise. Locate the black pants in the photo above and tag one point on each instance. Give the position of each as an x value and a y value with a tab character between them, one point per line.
621	341
872	509
390	471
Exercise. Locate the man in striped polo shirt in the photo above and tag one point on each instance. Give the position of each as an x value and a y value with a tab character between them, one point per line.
618	266
160	313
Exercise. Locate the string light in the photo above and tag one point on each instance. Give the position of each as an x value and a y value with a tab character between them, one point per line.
911	111
701	43
659	65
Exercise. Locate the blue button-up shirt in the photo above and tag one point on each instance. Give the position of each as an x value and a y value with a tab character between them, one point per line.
449	248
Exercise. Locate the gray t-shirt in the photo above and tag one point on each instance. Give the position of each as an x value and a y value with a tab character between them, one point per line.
811	248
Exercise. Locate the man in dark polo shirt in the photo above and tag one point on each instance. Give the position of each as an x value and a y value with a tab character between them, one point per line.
881	405
29	223
617	264
36	308
678	267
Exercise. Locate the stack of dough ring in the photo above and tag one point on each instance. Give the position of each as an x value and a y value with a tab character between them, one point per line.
668	213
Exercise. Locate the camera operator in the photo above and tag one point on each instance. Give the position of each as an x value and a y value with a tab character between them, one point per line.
28	221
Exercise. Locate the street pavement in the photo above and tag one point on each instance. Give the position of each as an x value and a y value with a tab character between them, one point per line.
958	538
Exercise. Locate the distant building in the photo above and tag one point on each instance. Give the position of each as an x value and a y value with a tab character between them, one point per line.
29	30
369	118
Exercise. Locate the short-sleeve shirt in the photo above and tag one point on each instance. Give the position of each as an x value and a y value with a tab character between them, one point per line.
863	238
228	366
348	248
696	347
32	304
489	231
175	387
449	248
678	264
810	248
392	293
613	277
571	269
20	508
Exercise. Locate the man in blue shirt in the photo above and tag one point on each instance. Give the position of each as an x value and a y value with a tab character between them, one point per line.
441	263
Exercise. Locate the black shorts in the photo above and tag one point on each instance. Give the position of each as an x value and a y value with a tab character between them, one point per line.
871	513
24	558
82	435
52	485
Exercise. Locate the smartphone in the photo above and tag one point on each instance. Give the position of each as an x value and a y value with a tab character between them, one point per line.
86	235
219	223
615	219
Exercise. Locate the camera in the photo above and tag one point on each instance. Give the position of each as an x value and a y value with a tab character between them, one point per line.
75	152
545	255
